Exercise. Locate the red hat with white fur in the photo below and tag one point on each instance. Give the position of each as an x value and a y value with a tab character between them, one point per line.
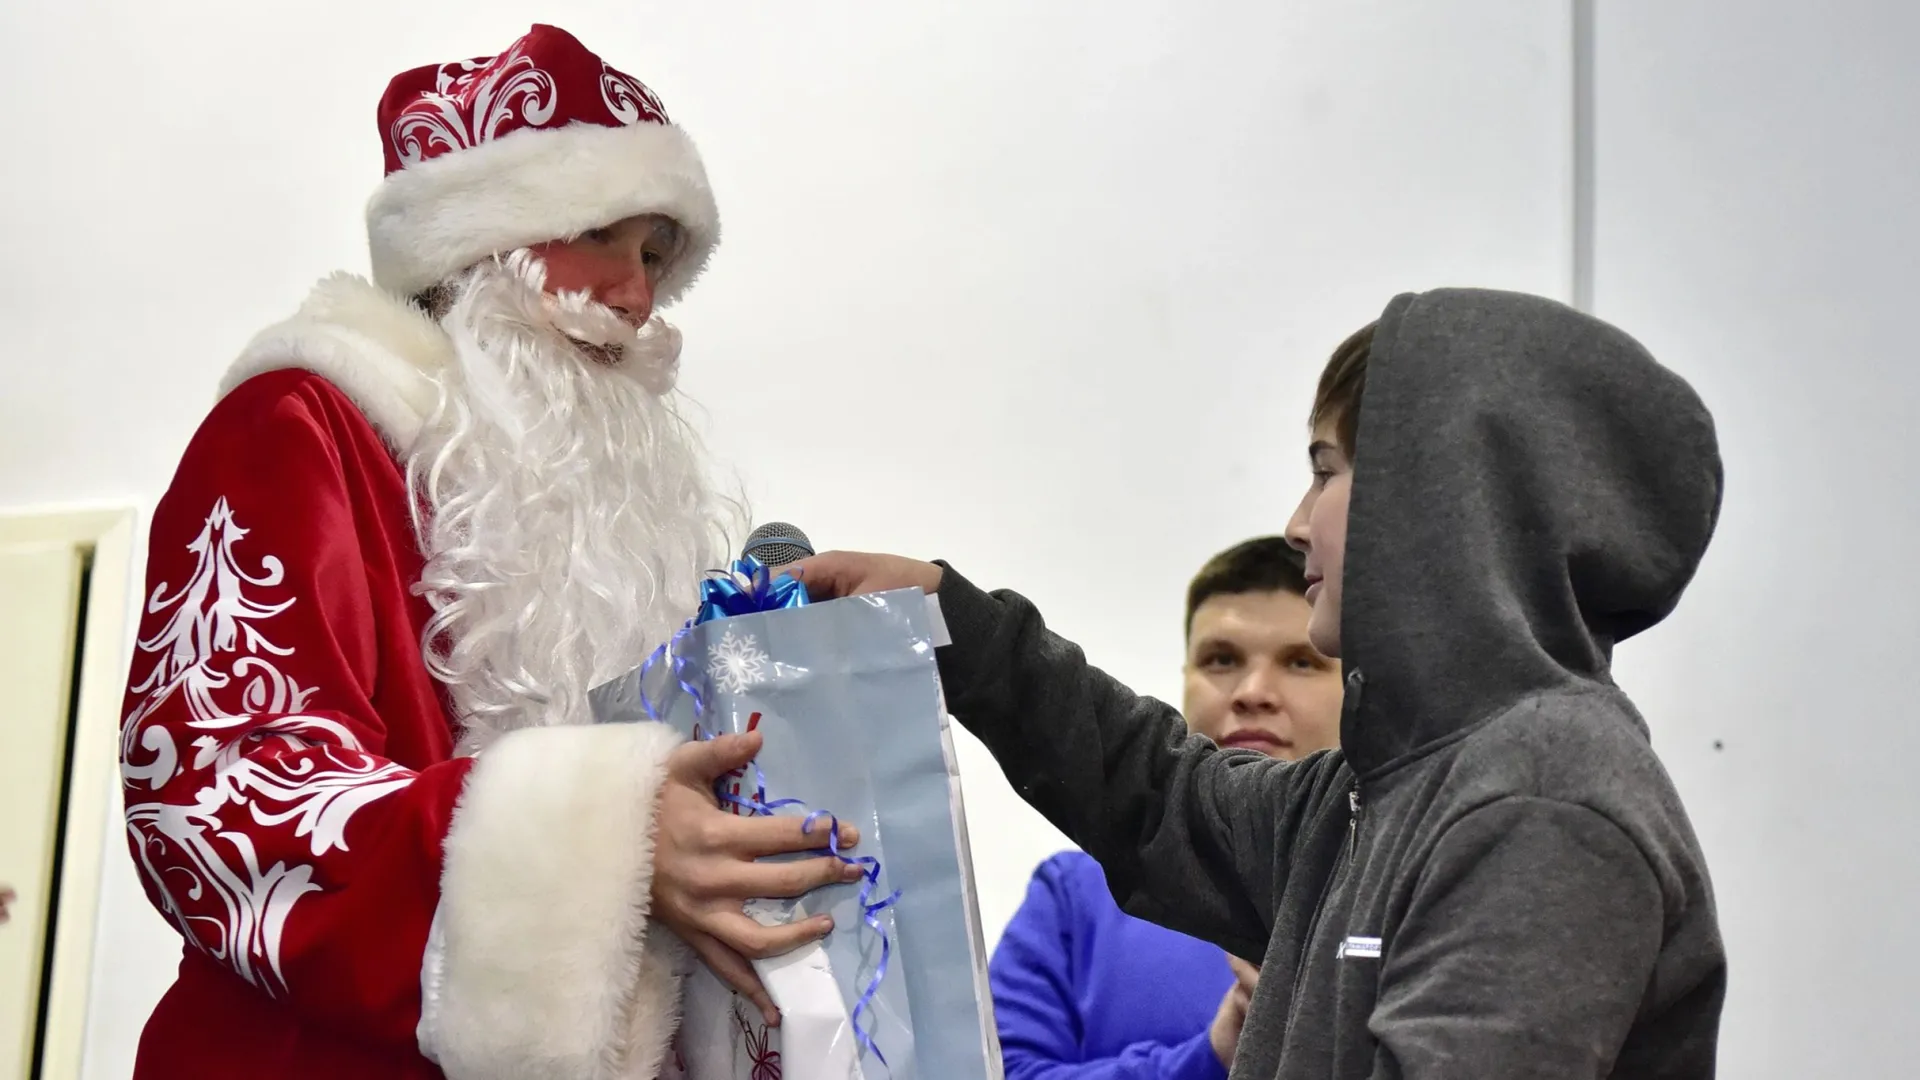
542	142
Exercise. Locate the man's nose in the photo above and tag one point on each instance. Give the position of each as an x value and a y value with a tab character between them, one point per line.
1258	691
632	299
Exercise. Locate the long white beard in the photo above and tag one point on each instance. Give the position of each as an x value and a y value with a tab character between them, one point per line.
568	515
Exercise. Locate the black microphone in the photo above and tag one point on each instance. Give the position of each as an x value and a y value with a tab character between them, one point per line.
776	544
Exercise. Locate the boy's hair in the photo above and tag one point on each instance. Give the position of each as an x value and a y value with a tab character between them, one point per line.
1263	564
1337	399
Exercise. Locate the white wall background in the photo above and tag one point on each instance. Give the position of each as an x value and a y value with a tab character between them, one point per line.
1756	224
1043	289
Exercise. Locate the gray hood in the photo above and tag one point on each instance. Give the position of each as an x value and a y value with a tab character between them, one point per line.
1530	488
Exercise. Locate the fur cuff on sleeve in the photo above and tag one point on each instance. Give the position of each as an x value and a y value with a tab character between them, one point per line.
542	962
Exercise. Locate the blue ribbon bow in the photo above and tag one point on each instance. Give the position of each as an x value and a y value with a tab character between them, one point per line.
746	588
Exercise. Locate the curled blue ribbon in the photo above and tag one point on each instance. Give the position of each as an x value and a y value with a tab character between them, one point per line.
870	909
758	804
746	588
670	649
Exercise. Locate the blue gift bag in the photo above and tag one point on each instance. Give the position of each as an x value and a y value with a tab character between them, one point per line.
846	695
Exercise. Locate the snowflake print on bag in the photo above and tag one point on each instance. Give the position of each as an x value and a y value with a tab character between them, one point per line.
736	662
214	661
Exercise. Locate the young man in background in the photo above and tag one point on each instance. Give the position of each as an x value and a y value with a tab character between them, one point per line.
1083	991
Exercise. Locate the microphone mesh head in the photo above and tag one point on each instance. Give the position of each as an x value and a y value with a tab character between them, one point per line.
776	544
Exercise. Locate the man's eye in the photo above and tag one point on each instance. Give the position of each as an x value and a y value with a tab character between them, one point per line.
1304	661
1218	662
651	258
599	236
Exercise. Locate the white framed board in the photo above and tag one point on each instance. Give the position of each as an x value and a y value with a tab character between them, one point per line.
63	621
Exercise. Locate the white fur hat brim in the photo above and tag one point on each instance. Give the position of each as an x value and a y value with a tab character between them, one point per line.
431	220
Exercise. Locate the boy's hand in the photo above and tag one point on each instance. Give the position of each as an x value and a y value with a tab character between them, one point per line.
1248	974
850	573
1225	1032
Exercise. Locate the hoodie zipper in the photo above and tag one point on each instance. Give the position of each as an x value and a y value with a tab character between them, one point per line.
1353	821
1341	867
1356	684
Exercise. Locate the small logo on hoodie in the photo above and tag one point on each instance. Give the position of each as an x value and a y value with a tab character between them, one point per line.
1360	948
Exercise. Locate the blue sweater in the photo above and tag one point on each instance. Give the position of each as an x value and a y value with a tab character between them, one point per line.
1083	991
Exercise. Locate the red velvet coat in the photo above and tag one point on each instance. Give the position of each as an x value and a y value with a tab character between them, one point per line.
357	901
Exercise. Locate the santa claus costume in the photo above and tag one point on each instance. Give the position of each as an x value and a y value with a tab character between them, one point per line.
358	771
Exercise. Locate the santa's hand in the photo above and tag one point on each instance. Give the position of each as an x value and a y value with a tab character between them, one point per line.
704	868
852	573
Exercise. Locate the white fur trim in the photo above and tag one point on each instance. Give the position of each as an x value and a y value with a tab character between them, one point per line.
379	350
428	222
545	964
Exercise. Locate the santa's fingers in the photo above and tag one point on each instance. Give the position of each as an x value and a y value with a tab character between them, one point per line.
748	880
735	971
757	837
750	939
705	761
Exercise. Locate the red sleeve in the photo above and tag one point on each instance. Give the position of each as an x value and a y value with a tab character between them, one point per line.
268	821
268	817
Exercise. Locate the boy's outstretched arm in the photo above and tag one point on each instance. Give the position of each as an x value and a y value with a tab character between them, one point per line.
1189	836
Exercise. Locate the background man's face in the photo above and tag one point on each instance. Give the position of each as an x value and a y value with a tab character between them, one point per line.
1254	680
618	266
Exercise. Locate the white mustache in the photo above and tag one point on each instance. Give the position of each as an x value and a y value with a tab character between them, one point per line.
649	354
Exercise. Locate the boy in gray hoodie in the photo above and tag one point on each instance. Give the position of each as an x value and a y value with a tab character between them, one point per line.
1494	877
